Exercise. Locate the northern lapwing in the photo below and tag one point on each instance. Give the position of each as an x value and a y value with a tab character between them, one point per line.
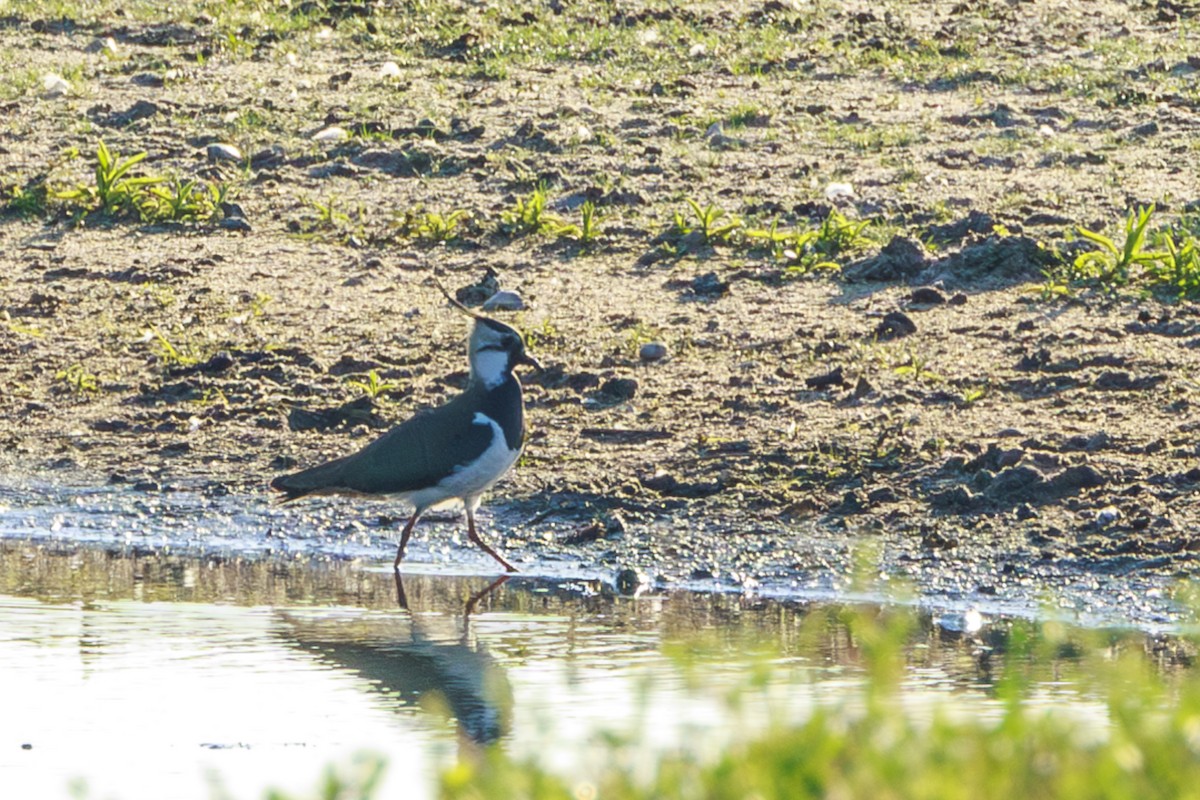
453	452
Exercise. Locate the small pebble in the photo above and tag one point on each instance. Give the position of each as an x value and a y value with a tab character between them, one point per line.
331	134
223	152
54	85
835	191
235	224
652	351
390	69
504	301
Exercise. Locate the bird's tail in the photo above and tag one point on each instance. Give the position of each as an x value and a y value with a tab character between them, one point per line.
323	479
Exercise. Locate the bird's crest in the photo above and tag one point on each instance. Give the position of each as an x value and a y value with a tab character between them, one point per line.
454	301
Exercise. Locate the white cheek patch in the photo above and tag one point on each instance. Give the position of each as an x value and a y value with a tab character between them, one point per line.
491	367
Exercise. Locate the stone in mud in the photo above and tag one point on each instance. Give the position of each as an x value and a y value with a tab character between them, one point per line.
504	301
350	365
652	351
409	161
1015	484
895	325
218	363
667	485
1091	443
333	133
995	458
926	296
54	85
618	390
954	232
219	151
142	109
958	498
884	494
235	224
1080	476
1124	382
996	261
900	259
477	293
829	379
709	285
268	158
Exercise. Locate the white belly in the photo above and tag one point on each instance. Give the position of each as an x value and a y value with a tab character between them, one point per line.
468	482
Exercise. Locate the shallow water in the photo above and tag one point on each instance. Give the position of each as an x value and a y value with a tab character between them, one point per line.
150	676
213	521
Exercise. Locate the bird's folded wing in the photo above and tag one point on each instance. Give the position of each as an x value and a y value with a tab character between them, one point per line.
417	454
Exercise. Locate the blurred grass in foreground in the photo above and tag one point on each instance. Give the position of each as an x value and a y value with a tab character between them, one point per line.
870	745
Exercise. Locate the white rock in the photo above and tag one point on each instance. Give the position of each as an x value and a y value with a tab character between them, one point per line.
647	36
583	133
292	60
504	301
697	51
390	69
54	85
331	134
836	190
223	152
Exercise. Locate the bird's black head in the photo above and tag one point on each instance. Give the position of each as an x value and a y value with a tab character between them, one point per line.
495	349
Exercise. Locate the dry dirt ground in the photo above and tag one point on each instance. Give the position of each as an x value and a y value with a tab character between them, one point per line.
931	396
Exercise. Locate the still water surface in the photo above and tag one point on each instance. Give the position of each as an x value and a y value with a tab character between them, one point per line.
166	676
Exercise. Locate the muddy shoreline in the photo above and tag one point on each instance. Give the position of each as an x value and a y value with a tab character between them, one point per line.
932	400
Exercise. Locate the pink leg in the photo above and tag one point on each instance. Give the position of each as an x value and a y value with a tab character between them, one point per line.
483	545
408	529
470	607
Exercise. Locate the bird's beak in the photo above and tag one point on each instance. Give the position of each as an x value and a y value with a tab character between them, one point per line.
529	360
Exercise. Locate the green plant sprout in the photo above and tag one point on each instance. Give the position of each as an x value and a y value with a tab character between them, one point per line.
372	386
115	190
716	225
528	215
1111	264
78	379
430	226
170	355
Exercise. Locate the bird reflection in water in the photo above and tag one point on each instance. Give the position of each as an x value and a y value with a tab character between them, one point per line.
419	659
